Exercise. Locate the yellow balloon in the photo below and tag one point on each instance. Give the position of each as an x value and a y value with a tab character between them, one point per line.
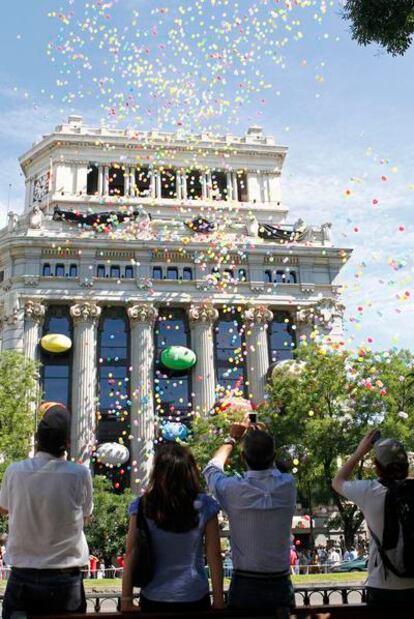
56	342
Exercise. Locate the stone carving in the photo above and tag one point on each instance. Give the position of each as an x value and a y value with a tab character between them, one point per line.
326	230
36	218
203	313
34	311
12	221
142	313
13	317
302	231
85	312
30	281
258	315
322	314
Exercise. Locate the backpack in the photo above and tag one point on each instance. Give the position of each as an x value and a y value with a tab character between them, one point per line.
398	517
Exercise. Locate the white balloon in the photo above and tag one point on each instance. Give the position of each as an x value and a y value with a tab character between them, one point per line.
112	454
291	367
403	415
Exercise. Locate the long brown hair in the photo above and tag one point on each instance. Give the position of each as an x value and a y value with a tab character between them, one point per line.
173	487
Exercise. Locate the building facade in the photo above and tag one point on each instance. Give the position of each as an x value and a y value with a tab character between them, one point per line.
130	242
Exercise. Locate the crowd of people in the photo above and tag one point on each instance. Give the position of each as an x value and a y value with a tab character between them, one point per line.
174	526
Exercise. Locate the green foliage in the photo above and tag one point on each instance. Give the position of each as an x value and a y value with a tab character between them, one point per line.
390	23
107	528
319	414
18	401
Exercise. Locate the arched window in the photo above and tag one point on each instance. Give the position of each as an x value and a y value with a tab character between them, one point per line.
100	270
56	369
116	181
168	184
60	270
187	273
219	185
242	275
194	187
113	382
230	352
129	272
242	186
46	271
73	270
143	182
156	273
172	390
115	271
268	276
172	273
281	337
92	179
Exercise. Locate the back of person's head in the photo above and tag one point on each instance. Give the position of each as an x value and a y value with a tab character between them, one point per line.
391	460
173	488
258	450
53	430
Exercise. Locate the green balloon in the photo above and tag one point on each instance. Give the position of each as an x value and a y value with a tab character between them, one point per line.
178	358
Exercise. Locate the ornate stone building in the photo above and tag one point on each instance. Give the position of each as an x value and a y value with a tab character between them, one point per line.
133	241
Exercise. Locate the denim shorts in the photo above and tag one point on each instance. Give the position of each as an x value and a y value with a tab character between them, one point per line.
263	593
44	592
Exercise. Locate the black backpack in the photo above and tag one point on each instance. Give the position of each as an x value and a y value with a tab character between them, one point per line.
398	516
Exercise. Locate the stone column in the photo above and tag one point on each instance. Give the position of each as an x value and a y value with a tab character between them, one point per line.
127	187
304	324
106	180
142	318
34	315
13	329
204	185
209	184
229	186
132	182
158	190
85	317
152	187
202	317
234	181
256	319
100	180
184	186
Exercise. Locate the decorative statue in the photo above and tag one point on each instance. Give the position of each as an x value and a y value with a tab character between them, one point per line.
35	218
13	220
326	233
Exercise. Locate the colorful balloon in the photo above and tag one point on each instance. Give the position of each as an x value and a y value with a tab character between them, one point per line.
56	343
178	358
173	430
112	454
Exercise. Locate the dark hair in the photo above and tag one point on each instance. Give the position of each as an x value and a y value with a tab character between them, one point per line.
258	450
395	470
173	487
52	440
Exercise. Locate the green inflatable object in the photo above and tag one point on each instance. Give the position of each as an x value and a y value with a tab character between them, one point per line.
178	358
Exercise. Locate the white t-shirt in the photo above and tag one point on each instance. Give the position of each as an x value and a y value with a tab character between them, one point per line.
47	499
369	495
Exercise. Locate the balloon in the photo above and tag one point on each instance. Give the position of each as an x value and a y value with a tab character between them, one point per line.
112	454
289	366
178	358
234	403
56	343
45	406
173	430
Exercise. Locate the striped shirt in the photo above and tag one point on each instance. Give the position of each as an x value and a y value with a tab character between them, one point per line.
260	507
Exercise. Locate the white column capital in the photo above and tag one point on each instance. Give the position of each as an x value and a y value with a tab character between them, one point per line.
203	313
34	311
85	312
258	315
142	313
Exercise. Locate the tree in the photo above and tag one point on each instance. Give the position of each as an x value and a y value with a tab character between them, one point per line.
387	22
18	402
107	528
320	409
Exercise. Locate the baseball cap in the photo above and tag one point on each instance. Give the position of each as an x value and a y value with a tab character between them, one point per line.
390	451
53	430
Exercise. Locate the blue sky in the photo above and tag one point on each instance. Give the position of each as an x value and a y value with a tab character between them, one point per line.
345	112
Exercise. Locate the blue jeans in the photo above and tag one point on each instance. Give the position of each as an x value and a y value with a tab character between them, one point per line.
263	593
44	592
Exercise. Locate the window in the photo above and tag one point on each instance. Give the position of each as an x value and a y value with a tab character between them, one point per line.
129	272
242	275
60	270
187	273
172	391
230	352
219	185
285	277
113	383
115	271
116	181
92	180
157	273
168	183
100	270
56	369
172	273
242	186
73	270
230	273
143	182
194	187
281	337
46	271
268	276
1	276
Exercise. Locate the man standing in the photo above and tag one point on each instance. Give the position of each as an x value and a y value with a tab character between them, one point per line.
376	500
260	507
47	499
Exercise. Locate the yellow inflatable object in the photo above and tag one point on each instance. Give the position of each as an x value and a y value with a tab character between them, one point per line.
56	342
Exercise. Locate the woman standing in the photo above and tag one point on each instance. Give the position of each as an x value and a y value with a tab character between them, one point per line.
180	518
